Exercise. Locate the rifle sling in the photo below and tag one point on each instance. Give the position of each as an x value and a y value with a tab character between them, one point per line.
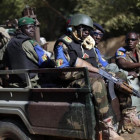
111	90
114	101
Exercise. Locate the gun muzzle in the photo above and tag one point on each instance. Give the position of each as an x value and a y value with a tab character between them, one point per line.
136	93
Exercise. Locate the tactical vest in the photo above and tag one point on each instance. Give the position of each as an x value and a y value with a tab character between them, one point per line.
16	59
76	46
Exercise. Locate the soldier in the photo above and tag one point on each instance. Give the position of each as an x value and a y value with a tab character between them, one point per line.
76	50
4	39
128	57
23	52
97	35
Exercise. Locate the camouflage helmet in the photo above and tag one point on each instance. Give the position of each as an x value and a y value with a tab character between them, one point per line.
79	19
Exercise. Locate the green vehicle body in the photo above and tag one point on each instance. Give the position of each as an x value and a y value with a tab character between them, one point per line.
51	113
59	112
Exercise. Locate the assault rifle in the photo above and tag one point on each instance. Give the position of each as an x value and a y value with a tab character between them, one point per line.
119	84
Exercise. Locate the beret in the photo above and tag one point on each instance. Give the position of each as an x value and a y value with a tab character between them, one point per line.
25	20
98	26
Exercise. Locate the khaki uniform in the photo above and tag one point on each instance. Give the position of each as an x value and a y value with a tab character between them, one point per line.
128	55
31	54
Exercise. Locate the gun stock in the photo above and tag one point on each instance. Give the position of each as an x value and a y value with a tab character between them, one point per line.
120	84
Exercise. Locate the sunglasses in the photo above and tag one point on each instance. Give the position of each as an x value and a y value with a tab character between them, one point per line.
84	28
96	33
132	39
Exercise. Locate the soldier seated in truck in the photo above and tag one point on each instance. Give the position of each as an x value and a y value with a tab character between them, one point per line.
76	50
23	52
97	35
4	39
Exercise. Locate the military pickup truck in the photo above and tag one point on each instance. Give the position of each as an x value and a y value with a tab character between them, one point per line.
46	113
54	113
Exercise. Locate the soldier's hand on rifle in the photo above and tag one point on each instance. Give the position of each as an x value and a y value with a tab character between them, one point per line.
113	74
132	73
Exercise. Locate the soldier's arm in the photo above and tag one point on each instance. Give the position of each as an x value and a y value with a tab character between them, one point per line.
29	51
82	63
122	61
126	65
78	62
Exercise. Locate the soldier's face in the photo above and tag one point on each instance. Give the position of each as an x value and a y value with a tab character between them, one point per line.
97	36
84	31
131	40
28	30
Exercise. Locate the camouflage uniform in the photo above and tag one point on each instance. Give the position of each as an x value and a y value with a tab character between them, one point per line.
125	100
4	39
98	86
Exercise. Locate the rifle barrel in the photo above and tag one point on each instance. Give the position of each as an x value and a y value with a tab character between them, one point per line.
136	93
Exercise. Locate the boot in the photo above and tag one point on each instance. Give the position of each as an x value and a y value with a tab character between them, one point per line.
130	119
108	131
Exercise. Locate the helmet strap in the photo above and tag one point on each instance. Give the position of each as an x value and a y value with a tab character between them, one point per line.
79	33
74	34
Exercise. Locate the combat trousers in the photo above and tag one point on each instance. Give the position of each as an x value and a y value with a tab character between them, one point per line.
100	98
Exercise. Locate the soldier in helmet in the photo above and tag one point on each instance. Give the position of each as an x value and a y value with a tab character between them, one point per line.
76	50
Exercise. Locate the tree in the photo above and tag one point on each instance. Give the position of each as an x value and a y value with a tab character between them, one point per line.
51	14
116	16
10	9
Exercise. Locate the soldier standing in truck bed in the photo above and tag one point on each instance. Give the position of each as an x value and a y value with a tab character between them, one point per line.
23	52
76	50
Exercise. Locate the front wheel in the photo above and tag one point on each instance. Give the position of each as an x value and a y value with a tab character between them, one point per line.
11	131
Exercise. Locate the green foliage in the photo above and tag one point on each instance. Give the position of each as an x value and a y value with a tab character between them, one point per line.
116	16
53	16
10	9
119	16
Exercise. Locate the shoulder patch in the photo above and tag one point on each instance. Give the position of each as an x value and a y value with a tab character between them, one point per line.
33	42
44	57
60	43
67	39
120	53
59	62
85	56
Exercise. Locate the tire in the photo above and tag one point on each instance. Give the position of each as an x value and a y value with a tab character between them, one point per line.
11	131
